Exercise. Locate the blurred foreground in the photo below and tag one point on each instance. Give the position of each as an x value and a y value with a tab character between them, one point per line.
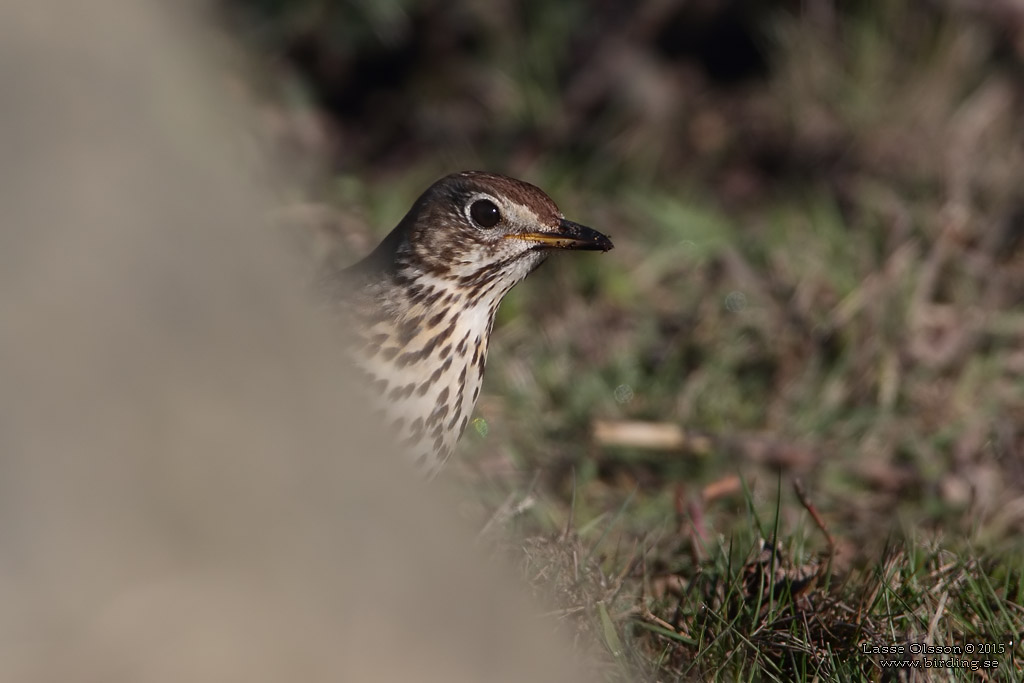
185	494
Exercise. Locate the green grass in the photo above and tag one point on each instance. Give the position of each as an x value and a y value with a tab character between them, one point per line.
726	607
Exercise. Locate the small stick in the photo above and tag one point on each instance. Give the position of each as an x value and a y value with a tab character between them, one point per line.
801	493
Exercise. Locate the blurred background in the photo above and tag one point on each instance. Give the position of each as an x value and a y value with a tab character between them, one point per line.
818	212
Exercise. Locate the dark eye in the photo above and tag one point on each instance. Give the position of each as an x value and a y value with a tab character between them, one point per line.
485	213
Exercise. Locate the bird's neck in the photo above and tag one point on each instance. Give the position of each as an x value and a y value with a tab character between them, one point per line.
435	304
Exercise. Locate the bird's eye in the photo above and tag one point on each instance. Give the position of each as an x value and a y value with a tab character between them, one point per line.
485	213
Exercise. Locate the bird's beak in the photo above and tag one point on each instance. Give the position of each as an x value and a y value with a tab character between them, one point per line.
567	235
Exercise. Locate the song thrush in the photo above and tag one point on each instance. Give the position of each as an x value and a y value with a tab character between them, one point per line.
421	306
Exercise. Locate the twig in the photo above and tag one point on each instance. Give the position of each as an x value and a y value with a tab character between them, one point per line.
801	493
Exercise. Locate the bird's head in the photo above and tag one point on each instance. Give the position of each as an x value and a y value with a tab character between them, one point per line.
479	229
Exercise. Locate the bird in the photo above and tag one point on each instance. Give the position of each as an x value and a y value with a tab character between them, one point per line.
420	308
